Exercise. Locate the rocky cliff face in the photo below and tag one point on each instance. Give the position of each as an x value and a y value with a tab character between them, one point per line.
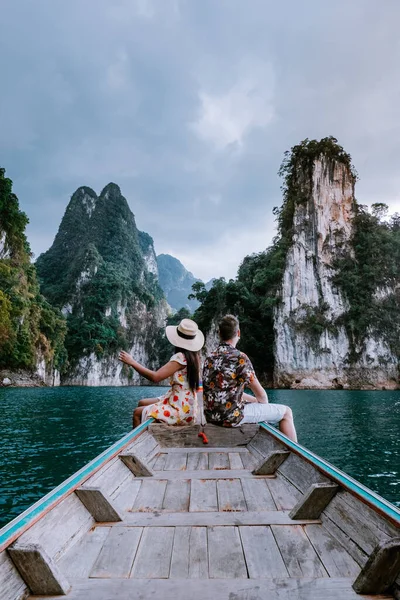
102	272
312	345
176	282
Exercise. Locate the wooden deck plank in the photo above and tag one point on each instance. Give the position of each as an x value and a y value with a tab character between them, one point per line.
225	553
126	495
176	462
177	495
263	558
257	495
79	560
211	474
181	437
235	461
150	496
334	557
153	557
205	448
180	554
297	552
218	461
193	461
203	495
117	554
217	589
12	585
198	553
284	494
230	495
202	518
249	461
301	473
159	463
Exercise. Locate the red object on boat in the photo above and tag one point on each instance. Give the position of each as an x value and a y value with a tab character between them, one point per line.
203	435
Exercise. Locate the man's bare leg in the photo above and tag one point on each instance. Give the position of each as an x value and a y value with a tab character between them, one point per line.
147	401
287	427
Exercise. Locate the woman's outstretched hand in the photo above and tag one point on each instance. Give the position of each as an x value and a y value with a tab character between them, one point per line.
125	358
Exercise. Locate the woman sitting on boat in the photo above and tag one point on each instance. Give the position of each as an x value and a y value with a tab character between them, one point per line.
179	405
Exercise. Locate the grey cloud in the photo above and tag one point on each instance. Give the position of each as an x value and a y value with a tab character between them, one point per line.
189	106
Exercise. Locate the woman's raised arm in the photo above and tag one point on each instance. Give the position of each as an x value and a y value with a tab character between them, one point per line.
155	376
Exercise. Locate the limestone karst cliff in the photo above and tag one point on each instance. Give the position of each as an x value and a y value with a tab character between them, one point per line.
102	273
176	282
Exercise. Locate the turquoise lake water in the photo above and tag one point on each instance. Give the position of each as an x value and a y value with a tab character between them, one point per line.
46	434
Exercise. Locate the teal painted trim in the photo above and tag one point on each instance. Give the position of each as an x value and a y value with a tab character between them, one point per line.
383	506
13	529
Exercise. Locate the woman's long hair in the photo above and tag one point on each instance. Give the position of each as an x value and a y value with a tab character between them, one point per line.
193	367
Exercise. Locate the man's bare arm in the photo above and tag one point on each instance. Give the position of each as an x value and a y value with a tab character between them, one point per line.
258	391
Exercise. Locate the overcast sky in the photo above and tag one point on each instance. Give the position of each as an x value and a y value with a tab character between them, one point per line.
189	106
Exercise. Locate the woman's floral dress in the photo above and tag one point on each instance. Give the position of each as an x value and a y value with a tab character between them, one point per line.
179	405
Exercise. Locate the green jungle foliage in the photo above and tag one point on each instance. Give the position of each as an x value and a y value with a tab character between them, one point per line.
95	265
254	293
29	326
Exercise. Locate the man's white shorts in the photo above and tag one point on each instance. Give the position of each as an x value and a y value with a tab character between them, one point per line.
254	412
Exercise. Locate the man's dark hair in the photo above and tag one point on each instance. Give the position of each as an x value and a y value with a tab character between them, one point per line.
228	327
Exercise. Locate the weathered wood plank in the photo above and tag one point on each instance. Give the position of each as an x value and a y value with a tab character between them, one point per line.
301	473
150	496
110	477
263	559
153	557
269	464
198	554
117	554
344	540
230	495
98	504
176	462
235	462
218	589
203	495
180	437
79	560
126	494
314	501
249	461
299	556
218	461
336	560
180	554
205	448
257	495
263	443
38	570
193	461
207	518
285	495
136	465
225	553
211	474
160	462
378	522
176	497
11	583
202	465
144	447
70	519
381	569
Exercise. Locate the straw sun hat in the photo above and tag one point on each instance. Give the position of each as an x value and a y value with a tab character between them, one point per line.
186	335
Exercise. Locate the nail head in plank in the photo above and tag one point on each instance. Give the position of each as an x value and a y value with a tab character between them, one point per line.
225	553
150	496
203	495
263	559
257	495
268	465
176	497
38	570
117	554
314	501
230	495
138	468
216	589
97	503
154	554
299	556
335	558
203	518
381	569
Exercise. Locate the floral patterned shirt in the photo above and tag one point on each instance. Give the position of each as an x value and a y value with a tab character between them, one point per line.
226	372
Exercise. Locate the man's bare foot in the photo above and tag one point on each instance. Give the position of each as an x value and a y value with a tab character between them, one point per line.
125	358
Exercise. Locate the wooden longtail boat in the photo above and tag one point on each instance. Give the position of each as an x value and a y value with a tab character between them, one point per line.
249	516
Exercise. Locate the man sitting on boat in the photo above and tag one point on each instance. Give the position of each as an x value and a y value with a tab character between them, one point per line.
226	373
